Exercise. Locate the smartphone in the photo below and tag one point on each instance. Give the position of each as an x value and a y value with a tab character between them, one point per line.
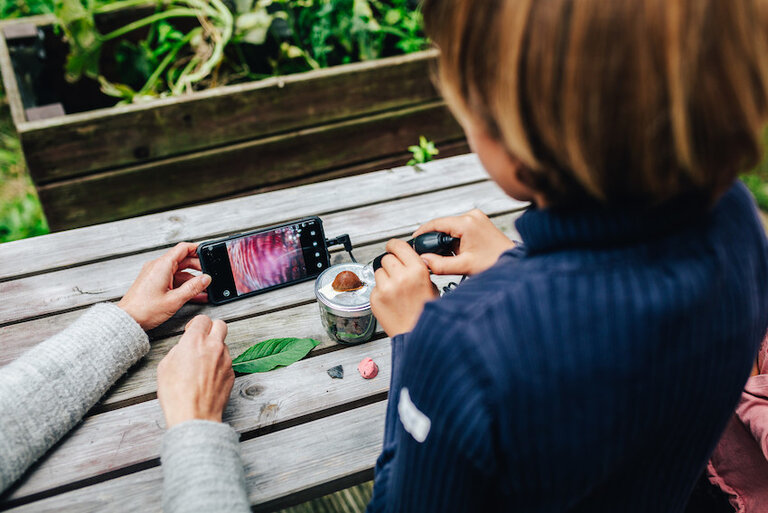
252	263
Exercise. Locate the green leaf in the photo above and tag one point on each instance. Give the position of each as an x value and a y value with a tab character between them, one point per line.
252	27
269	354
83	37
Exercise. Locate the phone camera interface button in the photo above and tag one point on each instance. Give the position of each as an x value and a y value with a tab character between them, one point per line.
226	293
320	264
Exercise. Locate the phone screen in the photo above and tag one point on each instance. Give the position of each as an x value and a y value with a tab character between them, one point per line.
253	262
267	259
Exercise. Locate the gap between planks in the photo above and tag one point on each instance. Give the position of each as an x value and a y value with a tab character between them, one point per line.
19	337
77	287
311	459
241	333
123	238
128	440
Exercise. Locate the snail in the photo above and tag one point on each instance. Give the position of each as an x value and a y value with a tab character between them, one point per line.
347	281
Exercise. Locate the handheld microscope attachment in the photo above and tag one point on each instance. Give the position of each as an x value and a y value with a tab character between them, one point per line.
432	242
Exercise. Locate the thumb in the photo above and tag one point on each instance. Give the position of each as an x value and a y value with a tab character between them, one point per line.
189	289
446	264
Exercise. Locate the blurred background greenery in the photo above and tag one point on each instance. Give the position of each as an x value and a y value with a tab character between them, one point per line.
20	213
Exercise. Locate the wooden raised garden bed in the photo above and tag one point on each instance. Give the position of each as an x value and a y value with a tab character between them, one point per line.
114	162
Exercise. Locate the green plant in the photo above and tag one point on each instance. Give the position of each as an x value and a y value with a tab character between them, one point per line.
757	179
423	153
18	8
157	53
269	354
20	213
235	40
22	217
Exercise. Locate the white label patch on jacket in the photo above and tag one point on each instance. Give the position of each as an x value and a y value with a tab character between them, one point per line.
414	421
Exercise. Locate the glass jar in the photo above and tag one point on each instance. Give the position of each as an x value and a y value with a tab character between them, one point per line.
347	316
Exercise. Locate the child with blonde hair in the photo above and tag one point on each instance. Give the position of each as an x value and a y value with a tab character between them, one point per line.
593	367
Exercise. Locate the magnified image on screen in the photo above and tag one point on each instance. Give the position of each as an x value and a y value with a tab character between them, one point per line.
267	259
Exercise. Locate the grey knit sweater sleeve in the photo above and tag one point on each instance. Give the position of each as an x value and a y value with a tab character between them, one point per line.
47	390
202	470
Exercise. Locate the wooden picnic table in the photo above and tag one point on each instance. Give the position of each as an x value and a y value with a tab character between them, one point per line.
303	434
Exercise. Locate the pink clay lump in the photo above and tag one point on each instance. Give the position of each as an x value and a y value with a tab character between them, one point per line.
368	368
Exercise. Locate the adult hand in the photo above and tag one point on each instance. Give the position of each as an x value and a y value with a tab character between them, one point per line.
481	243
195	377
402	289
163	287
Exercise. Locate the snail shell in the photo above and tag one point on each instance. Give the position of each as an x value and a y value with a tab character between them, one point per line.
347	281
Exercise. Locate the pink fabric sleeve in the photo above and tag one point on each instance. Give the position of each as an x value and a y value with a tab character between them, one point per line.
752	409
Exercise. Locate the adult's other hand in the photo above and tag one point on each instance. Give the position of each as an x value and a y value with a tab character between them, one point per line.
195	377
163	286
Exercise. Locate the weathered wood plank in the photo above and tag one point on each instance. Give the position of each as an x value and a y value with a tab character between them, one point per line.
448	149
131	436
103	281
245	330
312	458
19	337
134	134
215	173
10	84
24	257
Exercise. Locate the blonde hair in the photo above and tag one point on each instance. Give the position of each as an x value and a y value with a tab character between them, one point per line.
638	101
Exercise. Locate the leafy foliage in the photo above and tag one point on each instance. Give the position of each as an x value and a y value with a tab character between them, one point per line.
757	179
269	354
423	153
20	213
759	188
234	40
18	8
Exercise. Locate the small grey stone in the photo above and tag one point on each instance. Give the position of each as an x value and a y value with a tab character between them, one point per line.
336	372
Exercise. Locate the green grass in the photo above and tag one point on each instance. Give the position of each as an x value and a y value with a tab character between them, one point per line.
757	179
20	213
19	8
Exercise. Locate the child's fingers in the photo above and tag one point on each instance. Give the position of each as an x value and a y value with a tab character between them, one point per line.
453	226
404	253
447	264
391	264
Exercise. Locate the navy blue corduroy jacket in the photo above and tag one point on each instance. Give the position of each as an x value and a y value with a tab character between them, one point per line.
592	369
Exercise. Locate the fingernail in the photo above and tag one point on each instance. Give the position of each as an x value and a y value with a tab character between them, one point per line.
206	280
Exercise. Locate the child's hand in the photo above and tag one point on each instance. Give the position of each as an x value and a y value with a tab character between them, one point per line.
402	289
481	243
163	287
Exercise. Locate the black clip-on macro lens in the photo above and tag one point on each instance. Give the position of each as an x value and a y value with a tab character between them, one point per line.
432	242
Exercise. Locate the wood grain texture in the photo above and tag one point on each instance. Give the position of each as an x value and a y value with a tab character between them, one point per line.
131	436
313	457
198	223
135	134
19	337
103	281
262	319
216	173
316	449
